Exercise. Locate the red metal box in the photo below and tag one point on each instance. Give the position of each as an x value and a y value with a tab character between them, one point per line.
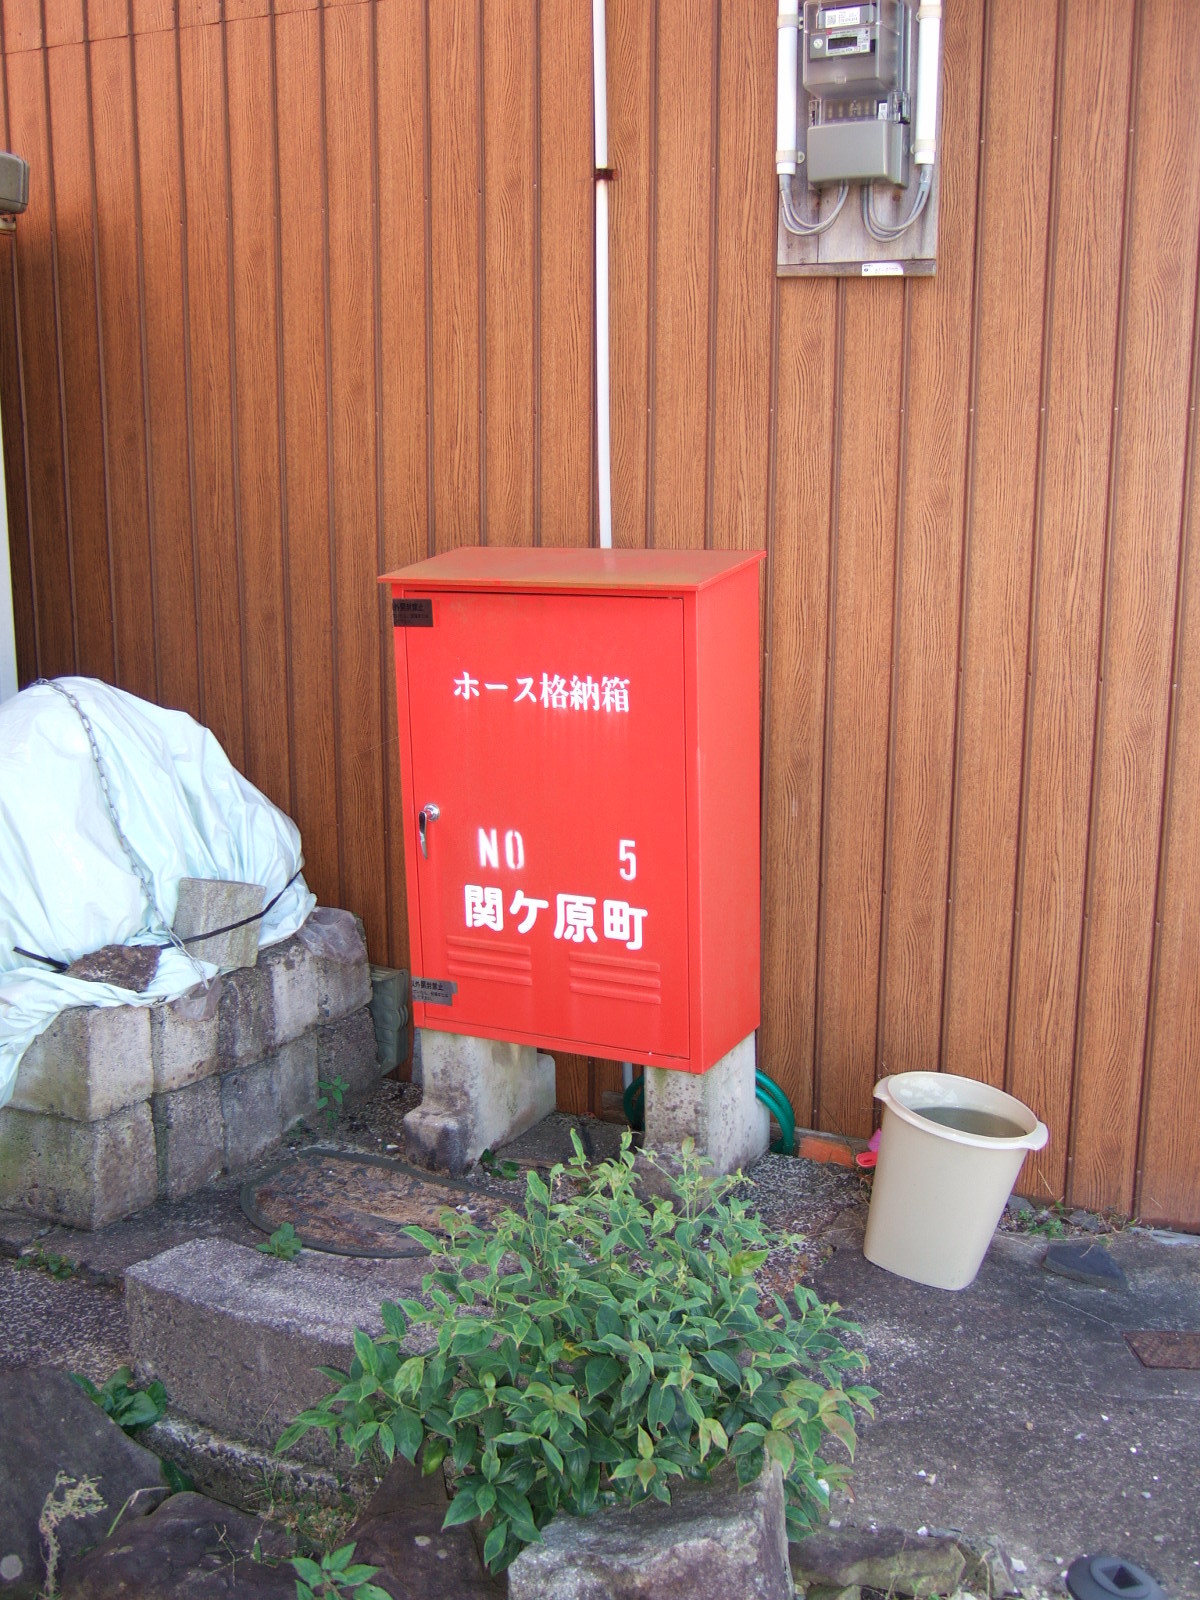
579	749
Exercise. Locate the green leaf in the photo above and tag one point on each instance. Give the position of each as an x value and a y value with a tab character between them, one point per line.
394	1319
494	1544
599	1374
339	1559
463	1508
724	1366
467	1403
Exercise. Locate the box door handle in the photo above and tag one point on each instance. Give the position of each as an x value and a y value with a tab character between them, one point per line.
427	814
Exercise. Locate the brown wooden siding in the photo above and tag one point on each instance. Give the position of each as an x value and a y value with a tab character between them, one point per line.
304	291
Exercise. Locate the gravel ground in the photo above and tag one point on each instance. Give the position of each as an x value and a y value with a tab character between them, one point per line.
72	1323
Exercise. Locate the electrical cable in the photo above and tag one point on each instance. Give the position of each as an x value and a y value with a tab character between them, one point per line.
887	232
795	223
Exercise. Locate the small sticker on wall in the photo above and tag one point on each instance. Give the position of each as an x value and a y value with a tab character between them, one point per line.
883	269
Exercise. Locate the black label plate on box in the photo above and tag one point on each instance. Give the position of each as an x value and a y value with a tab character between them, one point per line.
434	991
412	613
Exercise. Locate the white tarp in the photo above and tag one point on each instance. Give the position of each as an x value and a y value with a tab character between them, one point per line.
66	885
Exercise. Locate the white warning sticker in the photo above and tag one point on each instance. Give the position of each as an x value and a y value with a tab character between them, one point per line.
883	269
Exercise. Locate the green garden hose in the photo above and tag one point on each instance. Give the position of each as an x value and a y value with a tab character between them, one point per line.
767	1090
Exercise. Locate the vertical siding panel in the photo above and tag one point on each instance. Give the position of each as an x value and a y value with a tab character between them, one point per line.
1069	564
510	172
205	106
80	358
686	49
746	208
352	313
252	164
567	272
1017	129
120	321
173	530
798	596
630	81
12	390
1167	1189
856	779
65	22
454	110
22	30
400	91
925	651
49	545
1140	606
306	478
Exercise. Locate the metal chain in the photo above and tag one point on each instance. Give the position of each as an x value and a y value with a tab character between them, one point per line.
139	870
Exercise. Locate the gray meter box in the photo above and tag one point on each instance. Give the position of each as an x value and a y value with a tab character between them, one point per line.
856	68
14	183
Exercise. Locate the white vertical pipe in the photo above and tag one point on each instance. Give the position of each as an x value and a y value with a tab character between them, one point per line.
603	377
929	38
787	92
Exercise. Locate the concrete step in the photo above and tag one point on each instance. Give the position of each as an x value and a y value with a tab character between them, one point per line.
236	1335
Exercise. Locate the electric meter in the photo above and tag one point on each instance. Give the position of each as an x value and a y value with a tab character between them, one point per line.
857	64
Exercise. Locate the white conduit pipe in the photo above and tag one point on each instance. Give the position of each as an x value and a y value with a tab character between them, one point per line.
603	369
603	177
929	38
786	109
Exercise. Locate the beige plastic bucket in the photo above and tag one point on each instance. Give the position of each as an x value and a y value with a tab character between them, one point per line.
939	1189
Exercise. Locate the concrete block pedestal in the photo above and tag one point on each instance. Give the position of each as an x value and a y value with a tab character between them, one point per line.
480	1093
477	1094
719	1109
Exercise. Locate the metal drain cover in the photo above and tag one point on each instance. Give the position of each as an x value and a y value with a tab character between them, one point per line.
1177	1352
1111	1578
353	1204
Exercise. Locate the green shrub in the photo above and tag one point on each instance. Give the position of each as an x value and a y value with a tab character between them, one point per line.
336	1577
595	1348
284	1243
130	1408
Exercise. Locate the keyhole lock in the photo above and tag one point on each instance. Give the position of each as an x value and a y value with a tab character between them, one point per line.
427	814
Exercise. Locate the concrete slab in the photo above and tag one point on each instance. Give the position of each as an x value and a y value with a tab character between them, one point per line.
236	1335
1015	1408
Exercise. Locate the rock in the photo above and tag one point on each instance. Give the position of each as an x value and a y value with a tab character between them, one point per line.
1018	1206
82	1173
66	1466
1088	1221
878	1558
252	1112
90	1062
346	1049
207	904
1085	1263
184	1037
338	951
400	1532
189	1549
236	1473
987	1570
189	1134
236	1335
712	1542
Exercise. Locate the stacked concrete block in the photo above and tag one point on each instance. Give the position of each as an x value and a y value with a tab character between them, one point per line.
114	1107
